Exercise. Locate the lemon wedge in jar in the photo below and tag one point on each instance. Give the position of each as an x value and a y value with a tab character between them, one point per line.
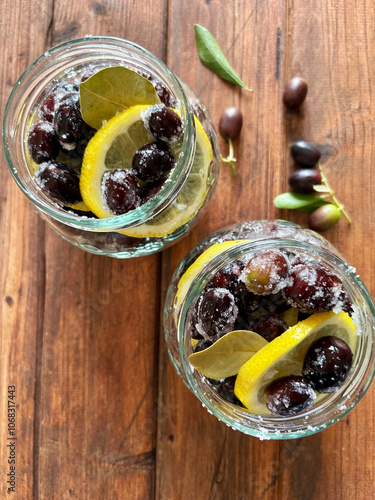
198	265
190	198
285	355
114	146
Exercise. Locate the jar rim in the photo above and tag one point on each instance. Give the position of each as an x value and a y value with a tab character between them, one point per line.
318	418
60	53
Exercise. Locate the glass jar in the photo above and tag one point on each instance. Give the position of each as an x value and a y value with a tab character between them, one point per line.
290	238
101	236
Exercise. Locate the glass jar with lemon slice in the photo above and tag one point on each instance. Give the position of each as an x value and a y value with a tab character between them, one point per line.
271	329
115	152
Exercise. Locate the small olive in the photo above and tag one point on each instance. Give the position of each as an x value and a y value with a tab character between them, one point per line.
324	217
295	93
303	180
230	124
327	363
304	154
264	272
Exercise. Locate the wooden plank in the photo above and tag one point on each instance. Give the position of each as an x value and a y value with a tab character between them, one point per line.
330	46
100	328
79	333
22	259
215	462
98	379
197	456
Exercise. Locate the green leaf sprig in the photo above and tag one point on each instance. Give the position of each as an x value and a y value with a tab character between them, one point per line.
301	202
329	191
227	355
212	57
309	202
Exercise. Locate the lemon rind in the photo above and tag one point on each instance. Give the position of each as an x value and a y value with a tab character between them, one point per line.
252	377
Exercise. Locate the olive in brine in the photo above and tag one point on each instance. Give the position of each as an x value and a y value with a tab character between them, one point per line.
295	93
303	180
288	396
59	181
304	154
327	363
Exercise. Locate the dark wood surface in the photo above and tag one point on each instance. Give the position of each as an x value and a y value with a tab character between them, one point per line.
101	413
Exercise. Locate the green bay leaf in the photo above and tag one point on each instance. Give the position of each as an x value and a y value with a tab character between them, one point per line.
112	90
226	356
295	201
212	56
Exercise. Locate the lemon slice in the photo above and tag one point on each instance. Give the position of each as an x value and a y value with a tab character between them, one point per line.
196	267
285	355
113	146
79	206
189	199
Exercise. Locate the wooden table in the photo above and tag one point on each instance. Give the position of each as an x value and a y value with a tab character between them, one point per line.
101	414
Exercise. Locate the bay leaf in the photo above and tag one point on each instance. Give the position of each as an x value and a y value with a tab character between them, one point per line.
112	90
295	201
212	56
226	356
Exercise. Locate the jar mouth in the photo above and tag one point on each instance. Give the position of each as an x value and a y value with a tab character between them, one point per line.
51	65
331	408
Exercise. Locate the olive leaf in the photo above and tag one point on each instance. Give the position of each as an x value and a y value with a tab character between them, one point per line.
295	201
312	208
226	356
112	90
212	56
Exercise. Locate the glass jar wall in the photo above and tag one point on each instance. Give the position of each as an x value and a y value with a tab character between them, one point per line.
174	209
240	243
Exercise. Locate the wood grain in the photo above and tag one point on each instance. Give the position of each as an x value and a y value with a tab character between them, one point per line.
73	320
98	384
101	413
210	460
332	55
22	260
225	464
98	387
